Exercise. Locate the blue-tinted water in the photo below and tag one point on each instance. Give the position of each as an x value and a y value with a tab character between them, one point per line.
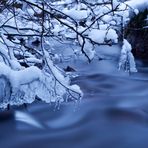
112	114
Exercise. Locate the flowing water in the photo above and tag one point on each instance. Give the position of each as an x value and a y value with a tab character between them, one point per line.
112	114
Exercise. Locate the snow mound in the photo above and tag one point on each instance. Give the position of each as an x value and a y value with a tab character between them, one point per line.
27	84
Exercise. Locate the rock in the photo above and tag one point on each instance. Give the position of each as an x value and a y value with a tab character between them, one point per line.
69	69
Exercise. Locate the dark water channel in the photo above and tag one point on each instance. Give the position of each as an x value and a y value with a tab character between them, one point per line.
112	114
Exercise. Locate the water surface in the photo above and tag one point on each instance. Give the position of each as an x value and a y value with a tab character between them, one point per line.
112	114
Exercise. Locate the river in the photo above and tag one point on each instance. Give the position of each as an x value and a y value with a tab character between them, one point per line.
112	114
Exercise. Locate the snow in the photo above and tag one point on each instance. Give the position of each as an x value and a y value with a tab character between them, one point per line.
76	14
138	4
20	77
30	82
126	46
107	18
89	50
127	61
30	11
100	35
103	26
62	2
116	3
76	88
136	11
97	35
31	60
112	35
49	82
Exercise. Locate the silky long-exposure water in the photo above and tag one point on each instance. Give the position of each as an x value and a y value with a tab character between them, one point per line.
112	114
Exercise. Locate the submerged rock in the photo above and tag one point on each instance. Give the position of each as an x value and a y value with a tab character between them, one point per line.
69	69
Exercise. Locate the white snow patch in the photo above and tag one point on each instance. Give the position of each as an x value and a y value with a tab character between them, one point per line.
76	14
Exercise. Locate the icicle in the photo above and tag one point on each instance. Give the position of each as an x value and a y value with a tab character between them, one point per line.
127	61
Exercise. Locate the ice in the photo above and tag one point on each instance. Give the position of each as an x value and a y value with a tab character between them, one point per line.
127	61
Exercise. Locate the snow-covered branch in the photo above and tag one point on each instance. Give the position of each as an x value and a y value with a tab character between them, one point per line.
26	28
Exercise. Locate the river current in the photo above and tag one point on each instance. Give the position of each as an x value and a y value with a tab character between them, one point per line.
112	114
